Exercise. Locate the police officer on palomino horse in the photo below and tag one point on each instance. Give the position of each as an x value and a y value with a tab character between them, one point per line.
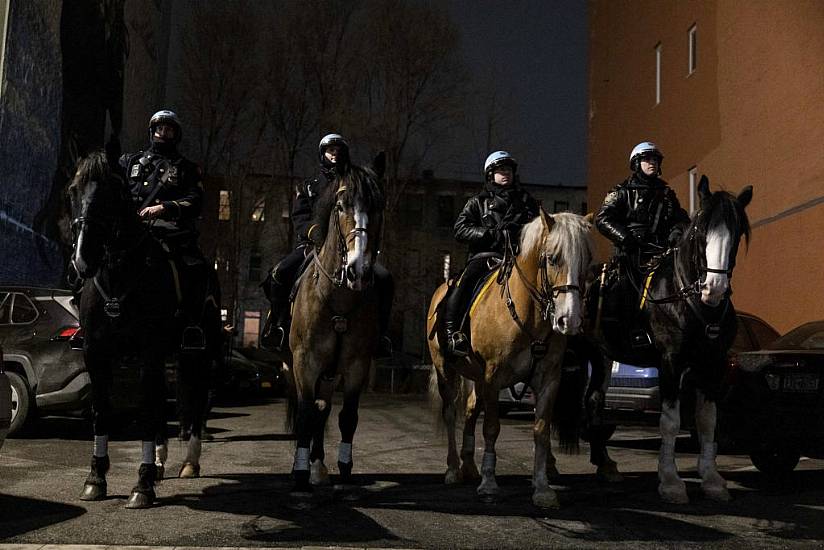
167	191
333	157
490	221
644	220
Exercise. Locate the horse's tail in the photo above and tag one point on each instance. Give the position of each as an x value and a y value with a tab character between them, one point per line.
463	389
291	417
567	412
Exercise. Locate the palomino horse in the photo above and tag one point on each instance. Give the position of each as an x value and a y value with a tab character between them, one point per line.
518	335
686	301
128	306
334	325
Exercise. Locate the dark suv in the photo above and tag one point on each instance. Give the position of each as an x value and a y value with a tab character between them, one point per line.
37	326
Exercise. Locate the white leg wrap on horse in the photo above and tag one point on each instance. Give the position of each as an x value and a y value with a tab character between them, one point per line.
488	464
709	451
301	458
101	445
193	450
468	445
148	452
161	454
345	452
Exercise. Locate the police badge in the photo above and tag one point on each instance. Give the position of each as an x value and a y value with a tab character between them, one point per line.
172	175
135	171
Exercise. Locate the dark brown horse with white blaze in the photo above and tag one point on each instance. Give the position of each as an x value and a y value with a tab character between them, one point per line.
334	327
518	333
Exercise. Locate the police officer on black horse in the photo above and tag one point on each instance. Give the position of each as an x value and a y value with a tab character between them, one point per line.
167	191
643	219
333	158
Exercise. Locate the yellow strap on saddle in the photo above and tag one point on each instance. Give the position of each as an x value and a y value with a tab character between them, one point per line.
647	284
492	277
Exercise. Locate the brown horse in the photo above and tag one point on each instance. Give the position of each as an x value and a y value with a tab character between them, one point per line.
517	334
334	325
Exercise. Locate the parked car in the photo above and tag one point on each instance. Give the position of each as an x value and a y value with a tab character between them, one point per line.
252	372
774	405
5	402
44	372
636	388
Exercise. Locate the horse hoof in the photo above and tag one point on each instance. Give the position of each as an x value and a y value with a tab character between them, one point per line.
719	494
546	499
674	495
469	472
189	471
488	498
319	473
452	477
138	500
161	471
608	473
93	492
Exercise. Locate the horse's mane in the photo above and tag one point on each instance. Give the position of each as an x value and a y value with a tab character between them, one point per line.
93	167
569	237
360	185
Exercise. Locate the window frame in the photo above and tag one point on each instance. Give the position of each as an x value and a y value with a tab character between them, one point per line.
14	296
224	210
658	58
692	174
692	49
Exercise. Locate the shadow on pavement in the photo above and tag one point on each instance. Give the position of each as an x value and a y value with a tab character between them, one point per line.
629	511
21	515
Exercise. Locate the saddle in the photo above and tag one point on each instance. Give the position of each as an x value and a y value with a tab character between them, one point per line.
481	288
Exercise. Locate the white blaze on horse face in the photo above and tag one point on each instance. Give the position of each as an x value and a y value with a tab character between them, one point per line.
357	261
568	318
719	246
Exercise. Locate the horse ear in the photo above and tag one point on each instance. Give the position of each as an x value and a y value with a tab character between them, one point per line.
704	188
745	196
589	217
548	220
379	164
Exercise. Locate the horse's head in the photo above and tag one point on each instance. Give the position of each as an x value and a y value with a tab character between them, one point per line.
561	246
96	198
355	222
715	234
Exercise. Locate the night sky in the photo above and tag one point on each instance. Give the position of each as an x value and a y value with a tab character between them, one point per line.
534	52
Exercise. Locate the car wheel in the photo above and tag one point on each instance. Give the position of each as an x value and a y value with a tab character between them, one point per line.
20	402
775	461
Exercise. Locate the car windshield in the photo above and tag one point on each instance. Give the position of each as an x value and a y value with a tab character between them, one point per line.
809	336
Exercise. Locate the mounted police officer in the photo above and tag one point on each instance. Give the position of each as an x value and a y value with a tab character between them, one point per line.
333	158
489	221
642	215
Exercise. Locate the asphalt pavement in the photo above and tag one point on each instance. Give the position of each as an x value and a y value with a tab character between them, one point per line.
242	498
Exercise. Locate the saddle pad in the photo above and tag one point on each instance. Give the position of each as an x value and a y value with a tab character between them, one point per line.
481	288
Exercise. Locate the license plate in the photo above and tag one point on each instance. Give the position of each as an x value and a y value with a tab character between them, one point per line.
804	383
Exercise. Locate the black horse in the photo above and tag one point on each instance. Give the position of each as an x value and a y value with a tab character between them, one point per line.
132	303
686	307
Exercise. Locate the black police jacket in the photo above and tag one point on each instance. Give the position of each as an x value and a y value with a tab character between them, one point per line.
641	214
306	196
489	214
173	181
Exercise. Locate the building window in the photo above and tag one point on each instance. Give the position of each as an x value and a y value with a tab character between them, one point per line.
561	206
224	209
446	211
411	209
658	73
693	173
255	261
251	329
258	214
693	50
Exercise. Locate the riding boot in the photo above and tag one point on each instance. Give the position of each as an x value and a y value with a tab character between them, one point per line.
95	486
276	335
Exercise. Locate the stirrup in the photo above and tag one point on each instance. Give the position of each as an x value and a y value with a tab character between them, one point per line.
640	339
458	346
193	339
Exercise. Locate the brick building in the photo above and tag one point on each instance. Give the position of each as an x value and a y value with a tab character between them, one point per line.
733	90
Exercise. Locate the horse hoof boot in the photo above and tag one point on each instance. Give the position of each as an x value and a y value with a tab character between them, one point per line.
140	499
189	471
161	471
93	491
546	500
302	486
469	472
